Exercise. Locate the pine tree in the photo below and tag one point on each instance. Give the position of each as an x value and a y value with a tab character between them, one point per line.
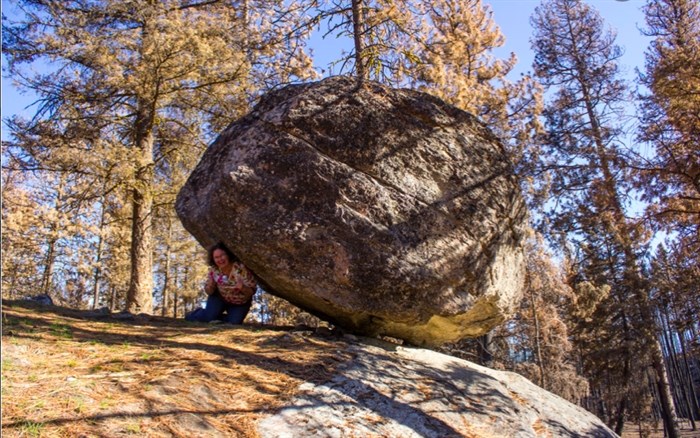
378	30
674	279
670	179
539	345
21	237
44	229
454	58
576	58
131	85
670	123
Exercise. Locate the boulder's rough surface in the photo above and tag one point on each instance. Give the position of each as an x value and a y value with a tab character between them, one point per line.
404	392
383	211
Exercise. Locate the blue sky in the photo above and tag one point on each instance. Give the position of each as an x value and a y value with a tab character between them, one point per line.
512	16
625	17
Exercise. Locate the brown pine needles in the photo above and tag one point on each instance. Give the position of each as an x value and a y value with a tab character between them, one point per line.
67	375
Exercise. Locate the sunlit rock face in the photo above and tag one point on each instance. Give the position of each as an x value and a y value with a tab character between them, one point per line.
383	211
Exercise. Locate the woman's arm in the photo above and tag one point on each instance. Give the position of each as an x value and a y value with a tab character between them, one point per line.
210	286
247	292
245	285
242	293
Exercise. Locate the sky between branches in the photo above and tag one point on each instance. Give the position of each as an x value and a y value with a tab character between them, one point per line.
512	16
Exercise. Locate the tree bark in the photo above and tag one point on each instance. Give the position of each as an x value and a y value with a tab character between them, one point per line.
166	268
98	259
48	267
139	297
681	388
357	31
538	347
176	297
113	299
140	294
620	416
485	351
695	406
13	284
620	230
667	410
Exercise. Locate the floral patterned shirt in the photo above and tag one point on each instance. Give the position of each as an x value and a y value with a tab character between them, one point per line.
227	284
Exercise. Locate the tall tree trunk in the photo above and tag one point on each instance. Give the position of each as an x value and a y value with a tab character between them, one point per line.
668	411
485	350
357	31
98	259
538	347
113	299
620	416
695	406
176	297
13	284
48	267
139	297
603	406
166	269
620	230
680	388
621	413
140	294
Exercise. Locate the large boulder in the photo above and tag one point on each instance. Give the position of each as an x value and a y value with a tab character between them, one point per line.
383	211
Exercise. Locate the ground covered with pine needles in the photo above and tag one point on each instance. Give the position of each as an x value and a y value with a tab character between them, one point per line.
70	373
67	373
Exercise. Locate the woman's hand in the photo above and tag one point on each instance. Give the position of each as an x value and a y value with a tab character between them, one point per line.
210	287
242	293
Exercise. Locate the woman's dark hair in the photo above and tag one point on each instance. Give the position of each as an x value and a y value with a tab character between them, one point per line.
220	245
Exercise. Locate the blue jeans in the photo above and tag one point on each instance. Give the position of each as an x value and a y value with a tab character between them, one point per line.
215	309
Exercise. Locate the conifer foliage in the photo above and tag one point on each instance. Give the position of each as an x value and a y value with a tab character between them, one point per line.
576	58
452	59
130	94
539	339
670	178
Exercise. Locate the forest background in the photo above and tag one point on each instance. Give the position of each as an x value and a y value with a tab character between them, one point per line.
127	95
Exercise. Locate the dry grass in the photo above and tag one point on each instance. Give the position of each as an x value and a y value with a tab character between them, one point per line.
68	375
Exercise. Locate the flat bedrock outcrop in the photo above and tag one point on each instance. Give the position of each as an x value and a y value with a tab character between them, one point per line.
394	391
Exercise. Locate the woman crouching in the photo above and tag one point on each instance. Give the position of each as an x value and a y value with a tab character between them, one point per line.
230	288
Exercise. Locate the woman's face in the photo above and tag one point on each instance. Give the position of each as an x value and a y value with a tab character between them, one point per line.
220	258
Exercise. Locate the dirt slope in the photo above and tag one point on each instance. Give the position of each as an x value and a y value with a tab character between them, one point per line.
67	373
